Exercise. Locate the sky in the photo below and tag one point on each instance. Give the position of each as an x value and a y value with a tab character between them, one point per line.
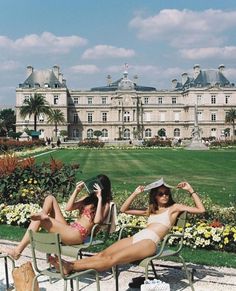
157	40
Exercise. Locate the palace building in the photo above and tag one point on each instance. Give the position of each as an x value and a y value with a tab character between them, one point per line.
125	109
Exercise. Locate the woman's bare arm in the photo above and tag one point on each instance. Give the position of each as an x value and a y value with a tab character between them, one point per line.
199	207
72	204
125	207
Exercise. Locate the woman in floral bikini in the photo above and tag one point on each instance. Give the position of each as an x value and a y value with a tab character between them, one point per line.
93	209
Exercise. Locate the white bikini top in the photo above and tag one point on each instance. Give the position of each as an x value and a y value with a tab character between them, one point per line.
162	218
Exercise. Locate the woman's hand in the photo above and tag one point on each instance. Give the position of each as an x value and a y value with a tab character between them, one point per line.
138	190
185	186
79	186
98	190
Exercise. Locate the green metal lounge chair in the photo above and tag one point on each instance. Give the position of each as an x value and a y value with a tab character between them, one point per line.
50	243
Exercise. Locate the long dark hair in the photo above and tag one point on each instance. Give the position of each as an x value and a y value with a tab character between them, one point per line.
106	192
153	206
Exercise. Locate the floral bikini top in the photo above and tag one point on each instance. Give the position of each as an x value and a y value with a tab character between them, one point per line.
162	218
89	213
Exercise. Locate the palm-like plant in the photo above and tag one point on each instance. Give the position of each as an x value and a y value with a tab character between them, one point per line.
56	117
35	105
230	118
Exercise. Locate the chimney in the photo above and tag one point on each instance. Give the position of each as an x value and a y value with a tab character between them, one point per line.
64	82
174	83
221	68
135	79
184	78
109	80
29	71
60	77
196	70
56	71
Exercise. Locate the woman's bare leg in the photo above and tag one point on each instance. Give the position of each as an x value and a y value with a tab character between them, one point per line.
120	253
51	207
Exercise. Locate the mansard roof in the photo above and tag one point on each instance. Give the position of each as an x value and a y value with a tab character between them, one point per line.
42	78
204	79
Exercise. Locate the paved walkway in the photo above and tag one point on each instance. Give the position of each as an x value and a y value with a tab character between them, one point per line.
206	278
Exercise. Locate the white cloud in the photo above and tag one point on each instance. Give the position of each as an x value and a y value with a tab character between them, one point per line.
228	52
185	27
44	43
9	65
85	69
107	51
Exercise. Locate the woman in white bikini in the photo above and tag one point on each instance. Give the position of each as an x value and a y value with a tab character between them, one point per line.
162	213
93	209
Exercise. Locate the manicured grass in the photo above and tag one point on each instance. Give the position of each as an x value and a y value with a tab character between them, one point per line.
202	257
210	172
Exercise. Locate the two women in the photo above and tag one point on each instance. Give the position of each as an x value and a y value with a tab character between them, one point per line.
162	213
92	208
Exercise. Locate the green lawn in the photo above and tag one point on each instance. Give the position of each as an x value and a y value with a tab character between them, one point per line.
210	172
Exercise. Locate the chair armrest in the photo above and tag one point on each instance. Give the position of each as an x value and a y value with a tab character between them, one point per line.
128	226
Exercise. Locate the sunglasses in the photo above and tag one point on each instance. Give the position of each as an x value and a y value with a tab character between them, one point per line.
162	193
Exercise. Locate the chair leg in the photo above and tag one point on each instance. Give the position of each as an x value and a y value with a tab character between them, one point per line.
77	283
187	272
97	281
65	285
115	272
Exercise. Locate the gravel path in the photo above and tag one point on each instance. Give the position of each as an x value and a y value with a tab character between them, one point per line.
206	278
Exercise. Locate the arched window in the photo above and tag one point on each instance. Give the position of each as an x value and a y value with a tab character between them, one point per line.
213	132
148	132
162	132
126	134
176	132
104	133
89	133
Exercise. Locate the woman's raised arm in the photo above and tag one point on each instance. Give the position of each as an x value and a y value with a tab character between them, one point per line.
72	204
125	206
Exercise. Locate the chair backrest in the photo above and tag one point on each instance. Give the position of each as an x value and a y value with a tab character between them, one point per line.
46	243
181	220
109	224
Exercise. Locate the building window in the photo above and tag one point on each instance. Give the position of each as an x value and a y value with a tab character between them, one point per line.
104	132
76	100
89	133
161	132
227	99
148	132
176	132
104	100
159	100
213	132
174	101
90	100
90	117
126	133
213	99
76	118
146	100
126	116
55	99
26	98
213	117
104	116
199	99
199	115
41	117
75	132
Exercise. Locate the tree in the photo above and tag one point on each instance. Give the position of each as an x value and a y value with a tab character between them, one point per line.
8	120
35	105
97	133
230	119
56	117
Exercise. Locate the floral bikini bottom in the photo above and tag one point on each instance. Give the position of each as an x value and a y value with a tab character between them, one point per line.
83	231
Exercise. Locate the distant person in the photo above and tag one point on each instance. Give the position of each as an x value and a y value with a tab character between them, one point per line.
162	213
93	209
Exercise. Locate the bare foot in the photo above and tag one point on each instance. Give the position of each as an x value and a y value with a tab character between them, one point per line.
66	266
11	252
39	216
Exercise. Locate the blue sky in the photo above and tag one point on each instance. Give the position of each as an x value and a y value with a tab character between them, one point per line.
89	39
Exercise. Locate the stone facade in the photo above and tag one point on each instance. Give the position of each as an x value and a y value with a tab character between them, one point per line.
124	109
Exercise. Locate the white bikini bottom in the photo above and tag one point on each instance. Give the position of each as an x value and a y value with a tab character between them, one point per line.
146	234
